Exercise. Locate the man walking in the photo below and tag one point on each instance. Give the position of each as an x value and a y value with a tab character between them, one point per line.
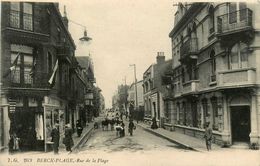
55	134
208	136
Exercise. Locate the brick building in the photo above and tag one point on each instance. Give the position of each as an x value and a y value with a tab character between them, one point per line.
38	69
215	49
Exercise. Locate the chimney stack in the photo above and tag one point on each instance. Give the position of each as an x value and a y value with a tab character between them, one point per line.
160	57
65	19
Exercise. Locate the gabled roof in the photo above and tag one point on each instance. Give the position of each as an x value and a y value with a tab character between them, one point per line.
85	62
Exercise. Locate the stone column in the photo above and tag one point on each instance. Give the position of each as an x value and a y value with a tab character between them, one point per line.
226	128
253	115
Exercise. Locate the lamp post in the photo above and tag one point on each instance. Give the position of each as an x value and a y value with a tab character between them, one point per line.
136	100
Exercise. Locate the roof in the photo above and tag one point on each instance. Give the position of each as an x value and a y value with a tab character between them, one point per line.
84	61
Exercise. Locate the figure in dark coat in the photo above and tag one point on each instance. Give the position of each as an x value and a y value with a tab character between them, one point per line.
154	124
55	134
208	136
122	132
68	138
131	127
79	128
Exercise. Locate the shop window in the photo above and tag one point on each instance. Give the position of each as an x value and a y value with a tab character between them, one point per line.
239	56
194	114
178	113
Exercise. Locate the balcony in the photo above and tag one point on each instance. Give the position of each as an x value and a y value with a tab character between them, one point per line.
238	77
235	22
190	87
189	49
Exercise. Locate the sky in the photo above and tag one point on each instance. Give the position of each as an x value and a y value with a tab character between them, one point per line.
124	32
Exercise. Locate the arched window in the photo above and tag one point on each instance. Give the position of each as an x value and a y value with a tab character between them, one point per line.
239	56
211	20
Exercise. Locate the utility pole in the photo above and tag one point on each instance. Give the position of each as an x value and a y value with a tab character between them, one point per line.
136	100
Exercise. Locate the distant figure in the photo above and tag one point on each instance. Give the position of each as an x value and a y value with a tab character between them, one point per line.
131	127
55	138
208	136
154	124
122	133
79	128
68	141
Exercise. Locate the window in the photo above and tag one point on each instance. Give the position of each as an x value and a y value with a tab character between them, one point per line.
178	113
15	15
21	73
213	66
21	15
184	110
27	16
211	20
239	56
205	109
182	76
237	11
232	13
194	114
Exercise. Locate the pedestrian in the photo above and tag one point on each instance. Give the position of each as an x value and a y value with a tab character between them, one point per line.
122	133
79	128
131	127
154	123
14	143
208	136
55	138
68	141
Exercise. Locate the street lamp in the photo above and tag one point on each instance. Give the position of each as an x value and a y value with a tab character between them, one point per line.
136	103
85	37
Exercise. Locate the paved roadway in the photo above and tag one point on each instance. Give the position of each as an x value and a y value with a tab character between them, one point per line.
107	141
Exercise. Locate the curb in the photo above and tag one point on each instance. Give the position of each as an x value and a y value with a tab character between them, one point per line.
185	146
86	136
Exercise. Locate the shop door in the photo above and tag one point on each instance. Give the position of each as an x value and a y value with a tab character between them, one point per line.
240	123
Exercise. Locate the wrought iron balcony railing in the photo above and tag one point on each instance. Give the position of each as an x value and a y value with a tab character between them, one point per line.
235	21
189	47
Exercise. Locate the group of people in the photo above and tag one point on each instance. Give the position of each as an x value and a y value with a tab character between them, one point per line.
67	140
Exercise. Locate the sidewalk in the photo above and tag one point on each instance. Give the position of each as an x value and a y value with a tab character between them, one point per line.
86	132
183	140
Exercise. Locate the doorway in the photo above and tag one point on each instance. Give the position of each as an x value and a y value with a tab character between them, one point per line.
240	123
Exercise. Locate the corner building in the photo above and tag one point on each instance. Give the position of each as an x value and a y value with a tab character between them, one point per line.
216	73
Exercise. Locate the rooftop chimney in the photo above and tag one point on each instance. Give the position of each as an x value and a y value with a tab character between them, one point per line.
160	57
65	19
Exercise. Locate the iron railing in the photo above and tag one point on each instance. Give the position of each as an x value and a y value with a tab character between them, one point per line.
235	20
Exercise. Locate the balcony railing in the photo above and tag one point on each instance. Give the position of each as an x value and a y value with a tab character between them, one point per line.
237	77
190	86
235	21
190	47
37	80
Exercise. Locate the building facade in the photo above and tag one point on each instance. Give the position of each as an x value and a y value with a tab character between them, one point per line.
154	89
131	98
215	49
38	72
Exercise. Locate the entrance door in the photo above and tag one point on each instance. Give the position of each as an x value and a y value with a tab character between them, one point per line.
240	123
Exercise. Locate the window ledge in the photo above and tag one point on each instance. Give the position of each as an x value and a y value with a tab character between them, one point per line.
213	83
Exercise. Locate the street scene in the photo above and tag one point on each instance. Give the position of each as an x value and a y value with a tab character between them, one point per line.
123	83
